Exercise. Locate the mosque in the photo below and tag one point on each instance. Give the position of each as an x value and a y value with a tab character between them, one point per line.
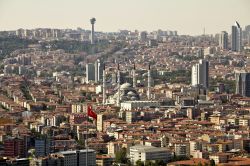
126	91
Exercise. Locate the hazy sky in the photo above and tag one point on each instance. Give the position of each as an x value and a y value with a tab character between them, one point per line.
185	16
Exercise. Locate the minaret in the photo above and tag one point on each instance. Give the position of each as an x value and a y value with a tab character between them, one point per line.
118	83
149	83
92	21
134	79
104	86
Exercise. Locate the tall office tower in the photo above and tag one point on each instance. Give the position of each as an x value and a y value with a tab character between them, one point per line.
90	72
243	83
98	70
223	40
236	37
200	73
92	21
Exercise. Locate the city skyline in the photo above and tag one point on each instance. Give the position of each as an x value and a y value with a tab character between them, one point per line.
187	17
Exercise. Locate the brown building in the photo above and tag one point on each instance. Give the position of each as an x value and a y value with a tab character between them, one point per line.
14	147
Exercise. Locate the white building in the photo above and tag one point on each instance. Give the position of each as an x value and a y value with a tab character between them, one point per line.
223	40
143	153
98	70
200	73
182	149
130	105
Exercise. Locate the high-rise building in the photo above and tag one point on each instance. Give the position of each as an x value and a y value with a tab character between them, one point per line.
243	83
98	70
42	147
14	147
200	73
143	36
90	72
236	37
223	40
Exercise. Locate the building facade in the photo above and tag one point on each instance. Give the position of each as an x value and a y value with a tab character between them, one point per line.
243	83
200	73
236	37
223	41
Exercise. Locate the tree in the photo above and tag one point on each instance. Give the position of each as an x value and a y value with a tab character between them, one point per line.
150	163
212	163
121	156
160	163
129	163
139	163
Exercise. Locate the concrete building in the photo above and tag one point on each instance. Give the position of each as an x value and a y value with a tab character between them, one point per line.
98	70
219	157
90	72
223	40
236	37
143	36
102	160
14	147
42	147
143	153
182	149
78	157
243	83
130	105
200	73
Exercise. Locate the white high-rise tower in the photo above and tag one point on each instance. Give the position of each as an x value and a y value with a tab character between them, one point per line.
223	40
200	73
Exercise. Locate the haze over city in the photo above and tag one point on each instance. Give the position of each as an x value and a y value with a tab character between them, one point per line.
186	16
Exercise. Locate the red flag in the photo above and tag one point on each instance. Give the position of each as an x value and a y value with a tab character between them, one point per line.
91	113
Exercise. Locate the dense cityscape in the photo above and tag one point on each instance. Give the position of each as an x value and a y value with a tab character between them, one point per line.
78	97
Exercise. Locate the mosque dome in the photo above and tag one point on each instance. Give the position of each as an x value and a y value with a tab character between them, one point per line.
125	86
127	93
